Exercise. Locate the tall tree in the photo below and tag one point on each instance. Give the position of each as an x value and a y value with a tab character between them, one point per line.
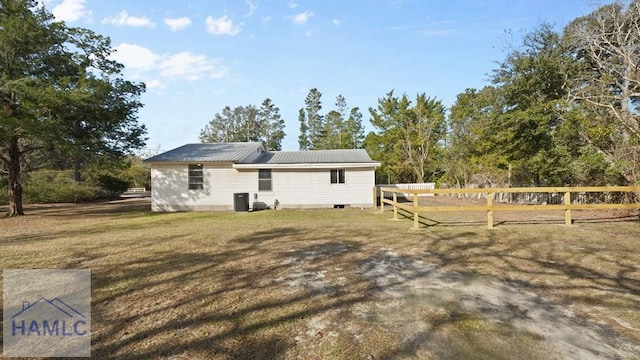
410	134
246	123
314	120
41	62
354	130
473	150
331	136
338	131
273	125
97	111
533	82
303	138
606	43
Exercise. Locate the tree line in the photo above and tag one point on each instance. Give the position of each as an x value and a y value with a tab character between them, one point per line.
247	123
340	128
562	108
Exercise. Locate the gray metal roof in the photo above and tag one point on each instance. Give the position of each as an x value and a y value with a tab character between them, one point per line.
208	152
314	157
247	153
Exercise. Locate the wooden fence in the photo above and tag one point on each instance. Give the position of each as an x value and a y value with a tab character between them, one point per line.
413	186
490	207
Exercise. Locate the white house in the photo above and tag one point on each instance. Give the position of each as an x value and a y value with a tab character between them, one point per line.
242	176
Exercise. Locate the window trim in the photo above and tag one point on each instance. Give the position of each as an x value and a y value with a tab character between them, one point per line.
340	177
195	177
265	180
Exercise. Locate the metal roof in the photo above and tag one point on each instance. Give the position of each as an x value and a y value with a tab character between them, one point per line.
314	157
247	153
208	152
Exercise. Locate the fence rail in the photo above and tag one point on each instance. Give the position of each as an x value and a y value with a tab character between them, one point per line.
413	186
137	190
490	207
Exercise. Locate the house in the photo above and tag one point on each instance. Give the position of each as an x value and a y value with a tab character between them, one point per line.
242	176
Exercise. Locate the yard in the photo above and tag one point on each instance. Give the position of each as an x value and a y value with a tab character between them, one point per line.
343	283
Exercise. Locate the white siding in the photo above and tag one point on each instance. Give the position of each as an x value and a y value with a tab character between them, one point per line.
292	188
313	188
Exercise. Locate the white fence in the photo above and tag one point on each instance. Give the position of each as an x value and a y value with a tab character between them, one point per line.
415	186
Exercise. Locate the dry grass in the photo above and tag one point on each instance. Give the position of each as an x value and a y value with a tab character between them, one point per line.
288	284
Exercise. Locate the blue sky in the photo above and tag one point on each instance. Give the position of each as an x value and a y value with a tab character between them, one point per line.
198	56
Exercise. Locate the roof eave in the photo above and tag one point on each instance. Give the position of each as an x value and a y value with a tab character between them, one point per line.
306	166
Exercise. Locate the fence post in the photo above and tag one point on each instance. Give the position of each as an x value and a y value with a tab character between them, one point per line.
415	211
567	211
395	208
490	212
375	197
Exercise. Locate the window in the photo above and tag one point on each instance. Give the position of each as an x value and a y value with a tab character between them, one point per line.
337	176
264	180
196	177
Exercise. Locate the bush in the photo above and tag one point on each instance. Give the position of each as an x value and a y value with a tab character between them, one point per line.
113	184
4	195
57	186
66	192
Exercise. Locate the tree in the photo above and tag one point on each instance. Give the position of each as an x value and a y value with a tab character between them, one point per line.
246	123
331	136
97	111
41	62
606	44
409	135
314	121
273	125
354	130
533	84
303	138
473	150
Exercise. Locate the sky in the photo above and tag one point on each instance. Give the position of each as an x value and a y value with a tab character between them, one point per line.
198	56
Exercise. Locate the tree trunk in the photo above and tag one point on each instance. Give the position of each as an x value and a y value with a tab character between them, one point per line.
77	165
15	188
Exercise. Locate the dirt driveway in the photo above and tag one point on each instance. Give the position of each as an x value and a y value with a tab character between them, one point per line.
437	314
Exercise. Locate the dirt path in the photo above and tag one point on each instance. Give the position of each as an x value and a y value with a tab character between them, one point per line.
444	315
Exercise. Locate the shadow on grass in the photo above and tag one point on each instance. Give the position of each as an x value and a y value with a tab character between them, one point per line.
428	222
251	296
248	301
241	270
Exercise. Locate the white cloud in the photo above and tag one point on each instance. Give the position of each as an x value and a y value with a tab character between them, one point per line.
155	85
221	26
71	10
336	22
252	8
123	19
176	24
144	63
186	65
292	4
439	32
302	18
135	57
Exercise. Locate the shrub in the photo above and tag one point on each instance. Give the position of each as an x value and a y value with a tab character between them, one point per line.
113	184
66	192
4	195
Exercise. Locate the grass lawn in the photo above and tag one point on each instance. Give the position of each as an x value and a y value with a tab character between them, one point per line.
340	284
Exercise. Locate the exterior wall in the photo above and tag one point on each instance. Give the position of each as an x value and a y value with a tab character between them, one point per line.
309	188
312	188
